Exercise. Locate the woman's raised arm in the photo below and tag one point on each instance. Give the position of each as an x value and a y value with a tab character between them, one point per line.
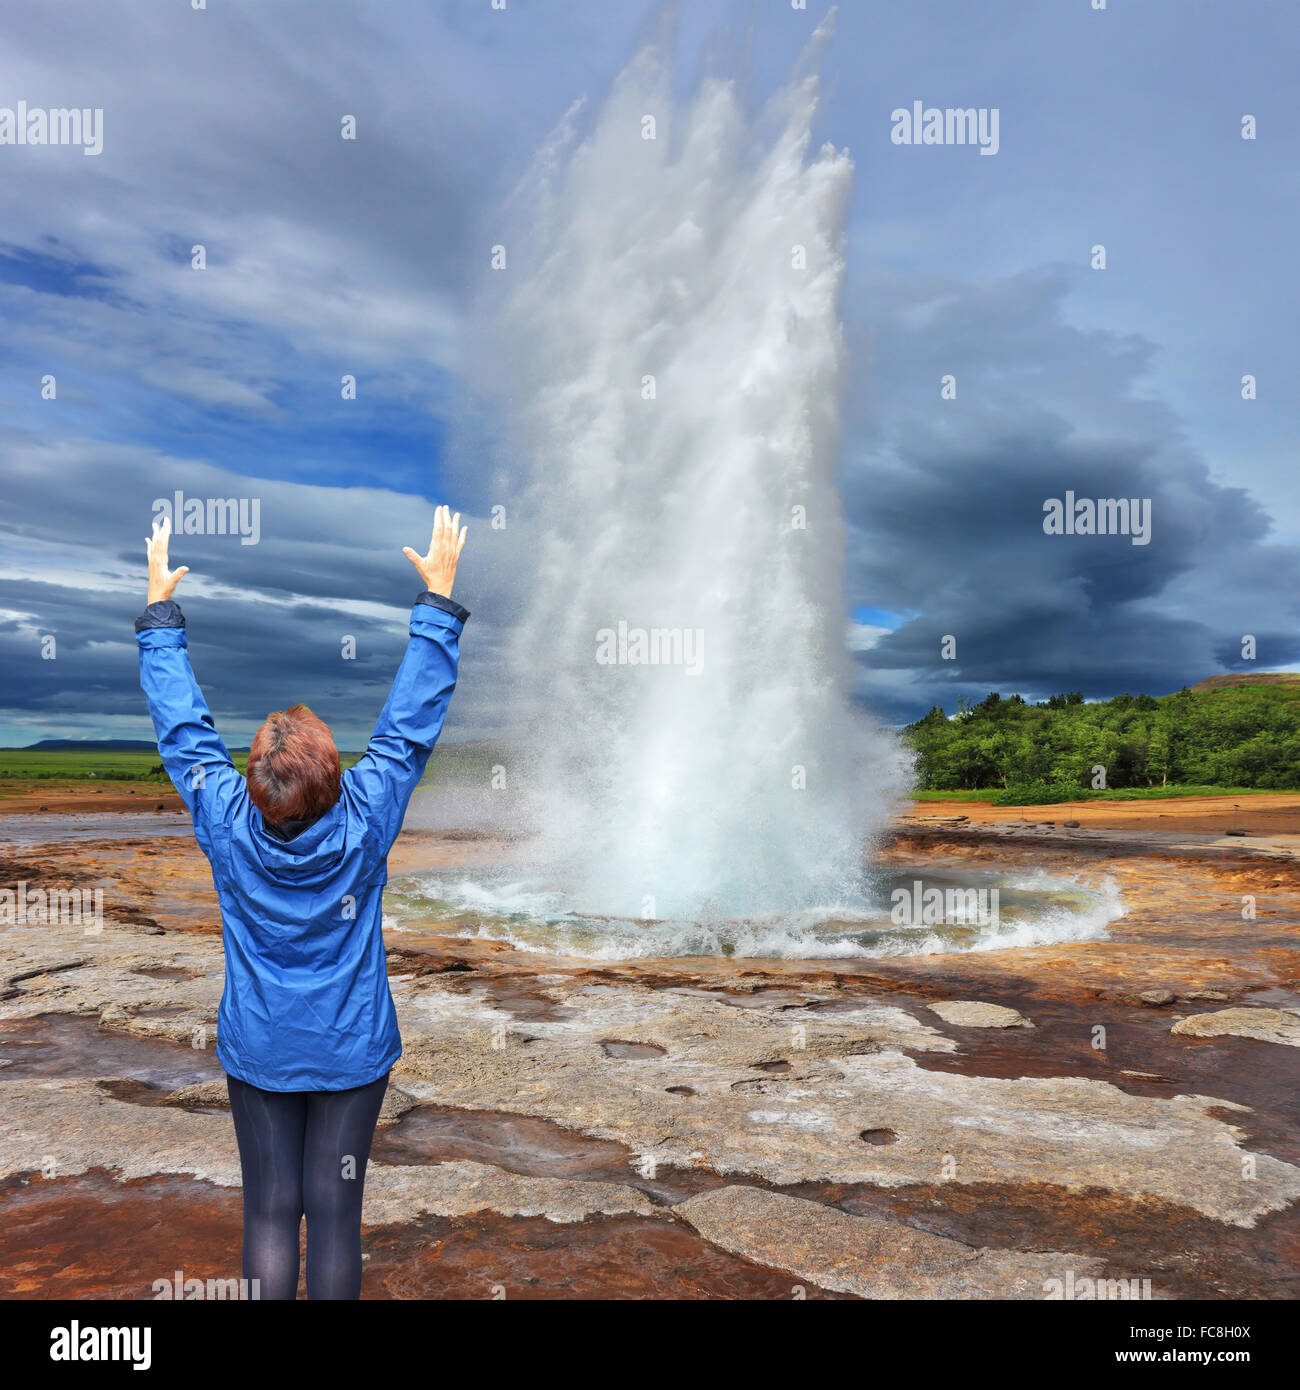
191	750
383	779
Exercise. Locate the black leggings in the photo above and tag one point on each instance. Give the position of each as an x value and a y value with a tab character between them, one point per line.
304	1152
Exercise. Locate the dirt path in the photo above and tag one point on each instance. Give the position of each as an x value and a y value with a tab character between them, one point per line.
1261	813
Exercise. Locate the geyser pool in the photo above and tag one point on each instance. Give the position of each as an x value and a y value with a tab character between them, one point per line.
1034	909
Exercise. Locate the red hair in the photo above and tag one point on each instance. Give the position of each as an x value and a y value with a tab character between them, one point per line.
293	766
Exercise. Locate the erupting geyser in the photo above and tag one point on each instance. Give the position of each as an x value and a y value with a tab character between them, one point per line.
669	329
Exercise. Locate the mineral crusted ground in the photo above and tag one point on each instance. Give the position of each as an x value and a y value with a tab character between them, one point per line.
956	1126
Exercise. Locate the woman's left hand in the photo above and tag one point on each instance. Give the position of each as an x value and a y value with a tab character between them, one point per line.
162	581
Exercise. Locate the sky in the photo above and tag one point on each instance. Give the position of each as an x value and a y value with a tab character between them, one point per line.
1119	127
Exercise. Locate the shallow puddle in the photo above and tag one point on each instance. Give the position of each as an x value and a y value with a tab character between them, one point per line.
73	1045
23	832
530	1146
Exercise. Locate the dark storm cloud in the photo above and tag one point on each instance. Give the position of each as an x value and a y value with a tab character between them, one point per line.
267	621
222	128
945	500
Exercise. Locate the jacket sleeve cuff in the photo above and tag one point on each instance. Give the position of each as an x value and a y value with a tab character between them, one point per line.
441	601
165	613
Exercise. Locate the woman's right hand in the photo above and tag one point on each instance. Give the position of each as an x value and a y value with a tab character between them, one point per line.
438	567
162	580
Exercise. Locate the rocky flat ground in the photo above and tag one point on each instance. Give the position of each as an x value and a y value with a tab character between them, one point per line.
955	1126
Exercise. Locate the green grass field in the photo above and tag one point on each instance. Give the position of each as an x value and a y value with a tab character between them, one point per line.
452	764
21	769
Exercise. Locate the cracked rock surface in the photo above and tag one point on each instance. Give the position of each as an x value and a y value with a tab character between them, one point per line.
966	1126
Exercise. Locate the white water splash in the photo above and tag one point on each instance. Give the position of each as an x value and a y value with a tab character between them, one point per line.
1042	910
670	334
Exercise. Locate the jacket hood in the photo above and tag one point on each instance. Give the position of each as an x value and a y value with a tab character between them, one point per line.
311	856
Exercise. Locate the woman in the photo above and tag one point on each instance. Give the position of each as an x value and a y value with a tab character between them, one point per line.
306	1030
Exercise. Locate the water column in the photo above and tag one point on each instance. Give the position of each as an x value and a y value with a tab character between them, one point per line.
670	334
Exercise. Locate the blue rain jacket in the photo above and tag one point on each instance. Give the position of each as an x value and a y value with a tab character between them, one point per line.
306	1004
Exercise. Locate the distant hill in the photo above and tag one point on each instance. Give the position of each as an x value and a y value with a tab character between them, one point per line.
1263	678
91	745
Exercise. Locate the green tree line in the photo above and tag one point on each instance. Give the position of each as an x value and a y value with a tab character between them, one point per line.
1240	736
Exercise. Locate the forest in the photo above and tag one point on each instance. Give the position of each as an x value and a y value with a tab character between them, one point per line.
1242	736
